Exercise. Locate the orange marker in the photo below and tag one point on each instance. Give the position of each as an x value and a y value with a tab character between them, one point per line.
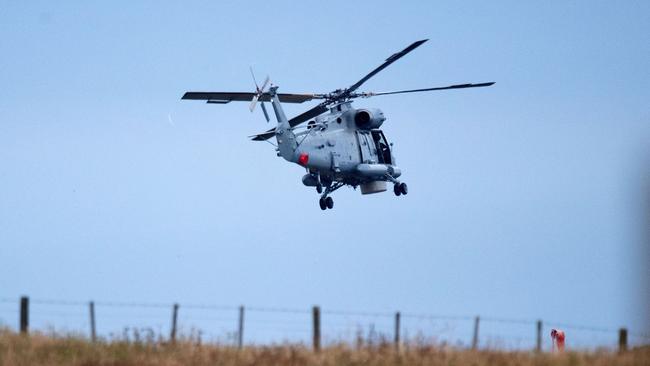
557	336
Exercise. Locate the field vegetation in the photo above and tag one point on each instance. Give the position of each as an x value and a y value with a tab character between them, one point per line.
53	349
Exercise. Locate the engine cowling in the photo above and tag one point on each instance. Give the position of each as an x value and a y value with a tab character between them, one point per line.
368	119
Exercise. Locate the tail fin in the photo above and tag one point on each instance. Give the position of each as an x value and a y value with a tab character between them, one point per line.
283	132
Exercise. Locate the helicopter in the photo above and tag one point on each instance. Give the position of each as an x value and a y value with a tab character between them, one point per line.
340	145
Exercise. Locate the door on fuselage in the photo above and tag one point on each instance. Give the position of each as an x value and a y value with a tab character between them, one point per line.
383	148
367	148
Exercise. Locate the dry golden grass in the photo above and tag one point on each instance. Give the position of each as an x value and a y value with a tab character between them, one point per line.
39	349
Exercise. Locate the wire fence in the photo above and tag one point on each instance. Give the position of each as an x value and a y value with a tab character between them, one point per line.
253	325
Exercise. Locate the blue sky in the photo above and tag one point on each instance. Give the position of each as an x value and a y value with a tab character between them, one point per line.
526	198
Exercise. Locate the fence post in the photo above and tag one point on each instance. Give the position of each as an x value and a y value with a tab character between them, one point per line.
24	314
240	331
539	336
622	340
172	335
93	334
397	328
475	337
316	316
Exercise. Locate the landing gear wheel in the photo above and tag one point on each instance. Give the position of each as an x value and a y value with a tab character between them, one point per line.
319	188
323	204
329	202
397	189
403	188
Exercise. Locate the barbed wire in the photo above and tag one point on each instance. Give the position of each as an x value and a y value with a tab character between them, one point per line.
598	329
438	316
209	307
585	328
335	312
277	310
358	313
510	320
57	302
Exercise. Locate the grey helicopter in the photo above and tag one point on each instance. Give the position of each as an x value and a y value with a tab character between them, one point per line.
340	145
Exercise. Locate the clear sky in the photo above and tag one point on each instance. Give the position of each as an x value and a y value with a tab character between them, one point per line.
526	199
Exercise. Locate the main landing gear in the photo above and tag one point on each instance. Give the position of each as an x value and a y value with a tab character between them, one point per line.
400	188
325	200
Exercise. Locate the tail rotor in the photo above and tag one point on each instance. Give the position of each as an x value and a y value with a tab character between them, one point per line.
266	114
258	93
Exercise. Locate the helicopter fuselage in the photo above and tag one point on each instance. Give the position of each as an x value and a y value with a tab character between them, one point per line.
345	146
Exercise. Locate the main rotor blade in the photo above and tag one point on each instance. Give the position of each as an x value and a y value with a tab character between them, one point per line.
263	136
394	57
317	110
227	97
458	86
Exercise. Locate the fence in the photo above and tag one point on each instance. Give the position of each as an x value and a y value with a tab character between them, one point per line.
314	326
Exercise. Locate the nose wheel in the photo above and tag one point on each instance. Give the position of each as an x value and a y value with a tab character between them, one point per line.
326	202
400	188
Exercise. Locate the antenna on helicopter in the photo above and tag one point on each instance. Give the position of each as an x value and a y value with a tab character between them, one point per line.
258	92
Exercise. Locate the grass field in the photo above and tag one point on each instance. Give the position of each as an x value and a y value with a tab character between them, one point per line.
40	349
